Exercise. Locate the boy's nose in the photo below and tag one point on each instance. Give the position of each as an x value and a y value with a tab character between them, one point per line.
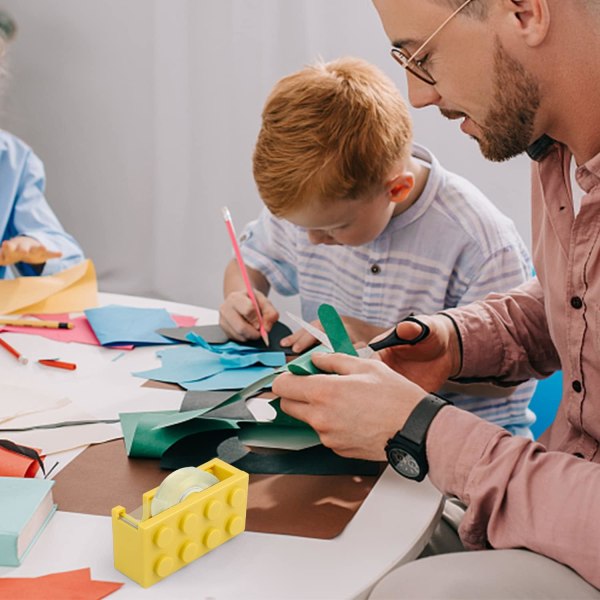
421	94
317	236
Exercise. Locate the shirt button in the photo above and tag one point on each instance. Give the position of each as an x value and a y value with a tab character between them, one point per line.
577	386
375	269
576	302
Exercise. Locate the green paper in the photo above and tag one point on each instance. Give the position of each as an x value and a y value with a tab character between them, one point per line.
267	435
144	439
335	330
303	365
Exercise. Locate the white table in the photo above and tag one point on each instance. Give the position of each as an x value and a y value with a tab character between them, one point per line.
391	527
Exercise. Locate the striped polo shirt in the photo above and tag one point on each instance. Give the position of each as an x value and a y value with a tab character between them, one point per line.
451	247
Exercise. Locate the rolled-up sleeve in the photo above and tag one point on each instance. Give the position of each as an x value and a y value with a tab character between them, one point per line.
513	330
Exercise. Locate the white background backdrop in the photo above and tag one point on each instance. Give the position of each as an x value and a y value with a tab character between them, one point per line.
145	113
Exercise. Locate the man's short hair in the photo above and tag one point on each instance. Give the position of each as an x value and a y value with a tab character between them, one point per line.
330	131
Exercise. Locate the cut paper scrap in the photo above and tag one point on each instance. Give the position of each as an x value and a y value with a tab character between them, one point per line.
71	290
19	401
284	438
335	330
145	438
117	325
68	585
18	461
213	334
192	363
231	379
59	438
81	332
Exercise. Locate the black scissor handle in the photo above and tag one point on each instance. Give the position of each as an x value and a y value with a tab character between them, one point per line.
393	339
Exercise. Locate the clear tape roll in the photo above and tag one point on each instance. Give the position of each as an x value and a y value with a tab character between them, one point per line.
179	485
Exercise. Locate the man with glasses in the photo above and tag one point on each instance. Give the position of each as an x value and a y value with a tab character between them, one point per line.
524	76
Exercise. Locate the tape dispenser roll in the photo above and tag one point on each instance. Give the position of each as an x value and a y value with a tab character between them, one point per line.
179	485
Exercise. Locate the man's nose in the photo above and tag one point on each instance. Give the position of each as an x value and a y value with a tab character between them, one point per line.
421	94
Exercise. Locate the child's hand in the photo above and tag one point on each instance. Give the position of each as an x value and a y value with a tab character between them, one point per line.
301	340
25	249
239	320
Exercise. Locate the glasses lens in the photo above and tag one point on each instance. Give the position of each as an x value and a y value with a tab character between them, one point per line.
402	58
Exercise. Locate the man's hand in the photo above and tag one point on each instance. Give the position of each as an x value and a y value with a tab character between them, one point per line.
238	318
25	249
355	413
430	362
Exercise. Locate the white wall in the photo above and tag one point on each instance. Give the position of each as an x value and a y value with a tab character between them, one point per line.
145	113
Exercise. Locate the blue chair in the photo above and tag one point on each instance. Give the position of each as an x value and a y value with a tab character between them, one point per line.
545	402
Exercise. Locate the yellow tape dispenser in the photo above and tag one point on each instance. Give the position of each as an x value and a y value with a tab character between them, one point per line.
194	510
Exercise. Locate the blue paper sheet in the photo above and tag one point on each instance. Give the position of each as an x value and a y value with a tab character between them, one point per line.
184	364
232	379
119	325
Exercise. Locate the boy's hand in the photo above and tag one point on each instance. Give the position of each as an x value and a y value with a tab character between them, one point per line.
301	340
358	330
239	320
25	249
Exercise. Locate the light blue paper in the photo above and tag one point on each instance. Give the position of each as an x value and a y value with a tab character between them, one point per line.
232	379
119	325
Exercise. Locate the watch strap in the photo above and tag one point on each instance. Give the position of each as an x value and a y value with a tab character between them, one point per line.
419	420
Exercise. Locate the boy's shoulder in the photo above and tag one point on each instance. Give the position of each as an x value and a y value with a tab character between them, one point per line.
12	145
460	207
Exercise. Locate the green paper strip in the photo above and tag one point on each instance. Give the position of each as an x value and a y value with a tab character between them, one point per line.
335	330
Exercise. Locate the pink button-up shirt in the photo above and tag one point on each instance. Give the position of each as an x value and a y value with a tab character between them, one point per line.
520	494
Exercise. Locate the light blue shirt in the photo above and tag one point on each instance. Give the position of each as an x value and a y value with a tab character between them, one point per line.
451	247
25	211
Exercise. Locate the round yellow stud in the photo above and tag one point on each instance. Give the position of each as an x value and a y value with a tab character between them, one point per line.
189	551
163	537
236	498
164	566
213	510
212	538
235	525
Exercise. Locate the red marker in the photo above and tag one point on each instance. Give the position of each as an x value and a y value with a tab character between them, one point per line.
14	352
244	272
57	364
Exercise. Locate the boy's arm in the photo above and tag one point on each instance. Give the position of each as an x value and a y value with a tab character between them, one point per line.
33	218
237	315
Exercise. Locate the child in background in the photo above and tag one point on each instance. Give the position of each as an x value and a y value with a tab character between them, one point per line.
361	218
33	240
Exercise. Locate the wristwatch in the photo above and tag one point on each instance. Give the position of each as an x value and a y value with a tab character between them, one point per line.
406	450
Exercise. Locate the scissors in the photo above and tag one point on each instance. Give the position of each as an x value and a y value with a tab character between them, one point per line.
393	339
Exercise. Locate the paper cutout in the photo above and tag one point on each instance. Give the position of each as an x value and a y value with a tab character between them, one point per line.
144	436
300	505
208	400
335	330
71	290
213	334
118	325
232	379
68	584
283	438
17	464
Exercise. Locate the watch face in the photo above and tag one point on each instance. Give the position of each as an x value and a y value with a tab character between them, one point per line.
404	463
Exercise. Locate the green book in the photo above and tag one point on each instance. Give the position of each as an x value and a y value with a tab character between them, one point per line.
26	506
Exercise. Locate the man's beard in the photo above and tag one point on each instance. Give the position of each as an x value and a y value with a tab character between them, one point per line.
508	127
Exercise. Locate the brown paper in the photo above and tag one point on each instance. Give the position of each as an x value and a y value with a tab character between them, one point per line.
313	506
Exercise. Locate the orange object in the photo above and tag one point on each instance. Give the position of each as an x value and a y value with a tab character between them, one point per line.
58	364
13	351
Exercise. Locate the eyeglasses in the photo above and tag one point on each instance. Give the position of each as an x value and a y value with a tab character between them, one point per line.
414	66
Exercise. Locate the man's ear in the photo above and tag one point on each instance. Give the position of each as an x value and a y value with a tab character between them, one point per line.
530	19
400	187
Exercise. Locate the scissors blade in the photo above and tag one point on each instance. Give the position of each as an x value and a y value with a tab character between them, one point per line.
314	331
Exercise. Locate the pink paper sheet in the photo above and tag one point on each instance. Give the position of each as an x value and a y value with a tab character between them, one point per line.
81	333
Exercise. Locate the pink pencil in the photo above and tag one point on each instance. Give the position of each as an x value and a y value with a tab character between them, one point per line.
243	270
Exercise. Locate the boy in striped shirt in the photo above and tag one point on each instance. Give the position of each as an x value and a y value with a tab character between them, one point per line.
360	217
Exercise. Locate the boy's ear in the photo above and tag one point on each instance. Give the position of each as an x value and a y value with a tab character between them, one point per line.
400	187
